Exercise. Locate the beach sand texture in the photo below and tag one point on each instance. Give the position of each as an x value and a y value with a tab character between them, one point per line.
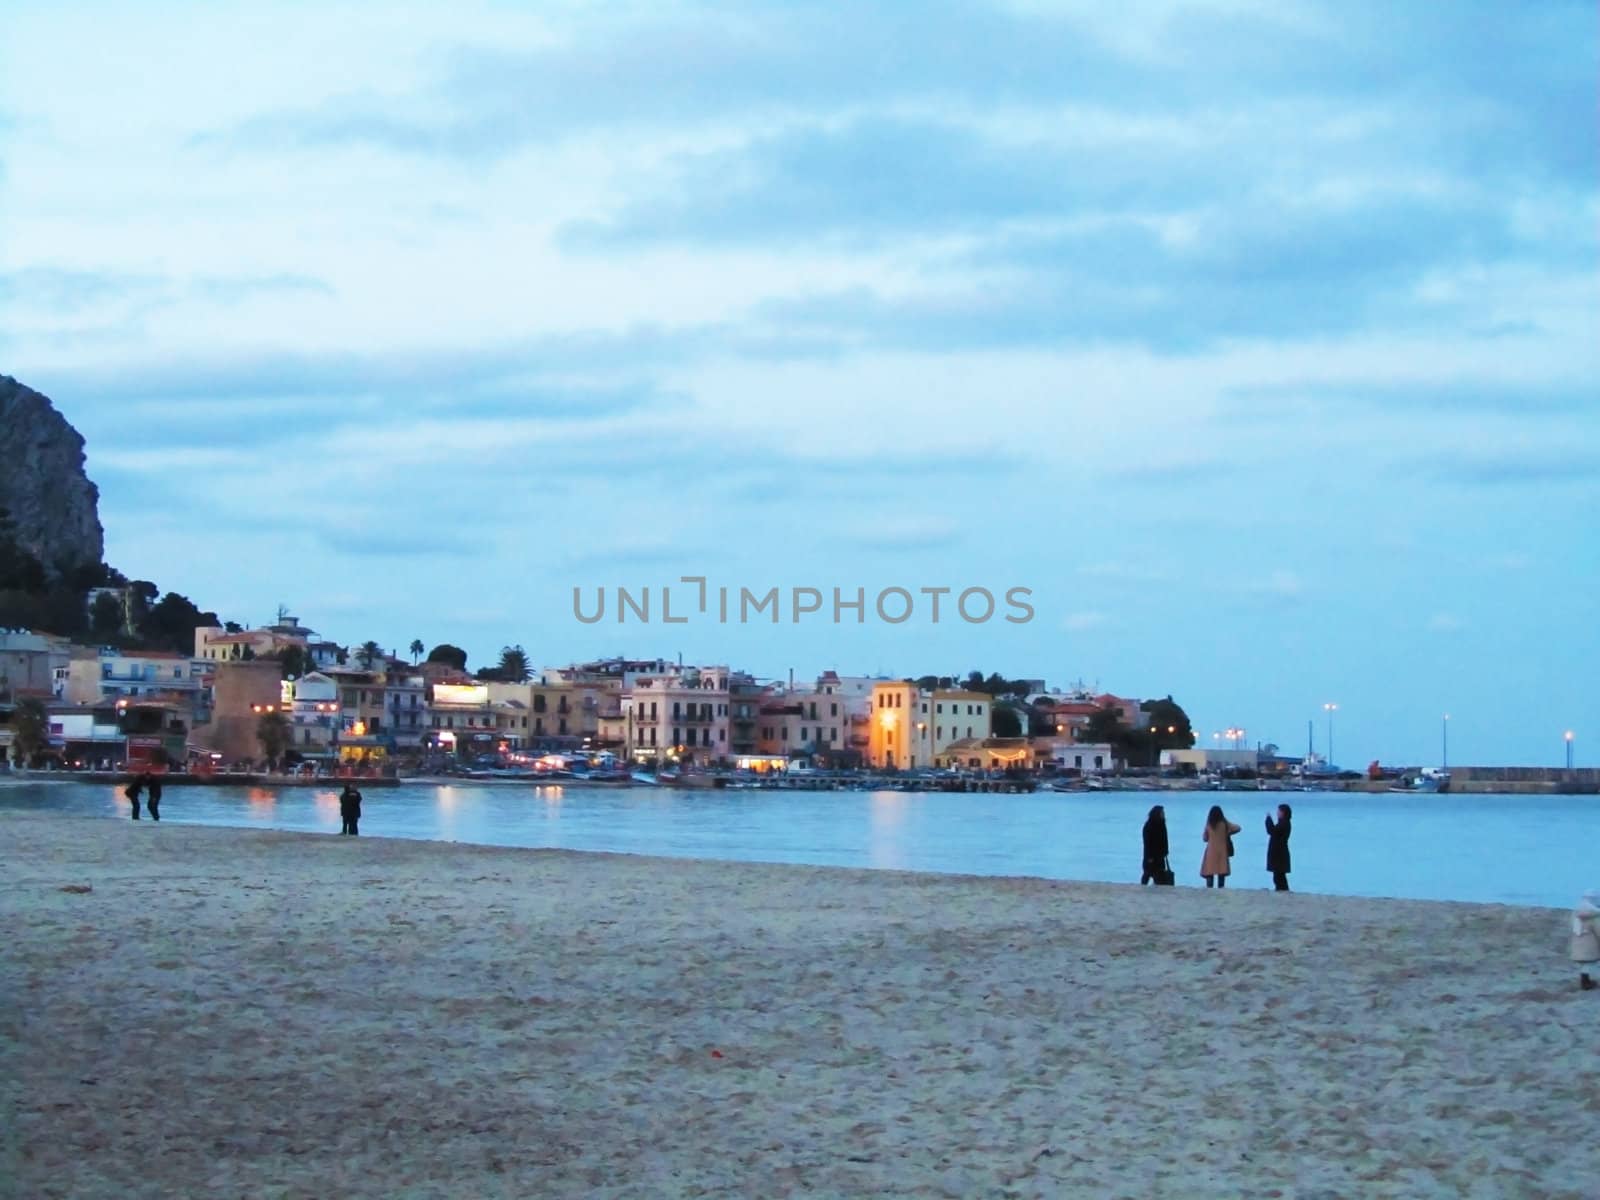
232	1013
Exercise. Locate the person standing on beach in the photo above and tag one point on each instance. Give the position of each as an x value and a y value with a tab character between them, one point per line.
1278	848
1218	837
350	809
132	792
1155	846
153	804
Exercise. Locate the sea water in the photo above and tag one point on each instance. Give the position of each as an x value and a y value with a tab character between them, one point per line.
1530	850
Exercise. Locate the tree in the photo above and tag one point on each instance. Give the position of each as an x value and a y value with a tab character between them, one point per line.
369	653
1006	723
1105	726
30	725
170	625
513	666
1165	727
453	656
105	617
295	662
416	649
272	731
141	598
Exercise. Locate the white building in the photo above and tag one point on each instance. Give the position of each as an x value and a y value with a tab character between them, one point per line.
679	715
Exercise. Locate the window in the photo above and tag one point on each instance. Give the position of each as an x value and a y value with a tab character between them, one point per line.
939	733
833	710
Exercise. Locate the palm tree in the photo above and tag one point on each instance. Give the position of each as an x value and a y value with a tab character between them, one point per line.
513	666
417	649
369	653
31	725
272	731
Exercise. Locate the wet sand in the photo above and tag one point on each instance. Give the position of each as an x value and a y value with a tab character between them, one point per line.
242	1013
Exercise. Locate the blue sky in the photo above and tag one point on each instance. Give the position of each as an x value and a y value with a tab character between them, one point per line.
1257	339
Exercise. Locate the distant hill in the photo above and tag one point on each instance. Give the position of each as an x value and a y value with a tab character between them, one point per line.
49	504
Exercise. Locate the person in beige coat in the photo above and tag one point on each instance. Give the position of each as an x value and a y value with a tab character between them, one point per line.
1218	837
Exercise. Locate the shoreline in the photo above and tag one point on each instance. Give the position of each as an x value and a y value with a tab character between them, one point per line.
308	1015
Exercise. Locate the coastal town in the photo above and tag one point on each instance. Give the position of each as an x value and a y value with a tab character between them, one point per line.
282	700
282	697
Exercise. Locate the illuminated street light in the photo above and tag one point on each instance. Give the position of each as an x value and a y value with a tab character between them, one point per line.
1330	709
1569	749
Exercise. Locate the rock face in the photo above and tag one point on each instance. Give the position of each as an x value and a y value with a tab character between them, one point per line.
53	507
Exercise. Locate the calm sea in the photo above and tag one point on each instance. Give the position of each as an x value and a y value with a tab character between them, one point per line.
1538	850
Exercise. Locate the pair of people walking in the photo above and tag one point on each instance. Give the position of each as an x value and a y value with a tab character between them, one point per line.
1217	862
140	784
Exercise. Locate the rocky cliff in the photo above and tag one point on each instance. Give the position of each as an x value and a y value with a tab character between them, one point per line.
52	505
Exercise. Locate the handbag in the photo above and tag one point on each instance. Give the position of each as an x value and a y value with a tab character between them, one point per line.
1164	876
1230	845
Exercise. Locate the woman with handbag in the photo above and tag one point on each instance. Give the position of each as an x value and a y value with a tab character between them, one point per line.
1218	837
1155	848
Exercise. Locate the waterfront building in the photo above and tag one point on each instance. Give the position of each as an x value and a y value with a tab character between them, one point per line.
242	691
462	718
899	736
405	705
111	675
1088	757
88	734
680	715
812	723
997	754
363	698
27	663
311	704
959	714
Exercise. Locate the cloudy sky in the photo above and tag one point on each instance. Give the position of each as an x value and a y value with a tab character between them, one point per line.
1256	338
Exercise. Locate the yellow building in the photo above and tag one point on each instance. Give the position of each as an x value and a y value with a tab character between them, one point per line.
900	736
960	715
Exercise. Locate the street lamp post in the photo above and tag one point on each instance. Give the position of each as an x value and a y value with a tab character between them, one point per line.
1569	749
1330	709
1444	743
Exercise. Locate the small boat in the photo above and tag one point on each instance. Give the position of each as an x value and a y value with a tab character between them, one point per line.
1427	780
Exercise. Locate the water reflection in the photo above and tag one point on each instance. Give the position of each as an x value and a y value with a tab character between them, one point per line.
447	803
886	847
263	802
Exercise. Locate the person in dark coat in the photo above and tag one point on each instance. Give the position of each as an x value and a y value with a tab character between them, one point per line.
1155	845
1278	849
154	802
350	808
132	792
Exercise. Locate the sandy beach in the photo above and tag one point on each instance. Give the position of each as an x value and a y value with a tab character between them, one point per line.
233	1013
